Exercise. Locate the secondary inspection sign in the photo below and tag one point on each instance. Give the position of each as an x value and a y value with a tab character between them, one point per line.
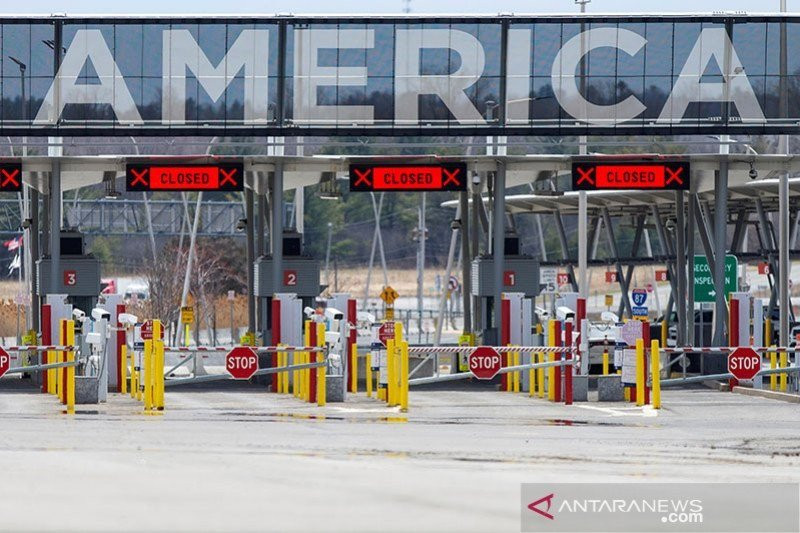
704	280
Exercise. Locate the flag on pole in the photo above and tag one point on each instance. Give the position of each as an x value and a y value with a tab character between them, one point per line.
13	244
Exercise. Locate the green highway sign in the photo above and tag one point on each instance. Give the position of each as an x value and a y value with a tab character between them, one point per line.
704	280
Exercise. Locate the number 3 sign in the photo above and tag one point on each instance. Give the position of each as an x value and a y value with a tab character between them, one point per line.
70	278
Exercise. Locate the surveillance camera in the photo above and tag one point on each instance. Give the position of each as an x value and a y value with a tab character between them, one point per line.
476	179
127	319
753	174
308	311
26	223
241	225
333	314
77	314
99	313
670	225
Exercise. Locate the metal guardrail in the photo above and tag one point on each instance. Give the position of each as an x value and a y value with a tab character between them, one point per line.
503	370
261	372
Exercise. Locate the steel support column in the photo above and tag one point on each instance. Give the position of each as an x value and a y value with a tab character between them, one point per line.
276	239
720	241
466	262
637	239
498	248
690	232
33	198
680	266
250	258
55	225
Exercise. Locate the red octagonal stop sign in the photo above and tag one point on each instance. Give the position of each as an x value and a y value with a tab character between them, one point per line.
241	362
5	362
484	362
744	363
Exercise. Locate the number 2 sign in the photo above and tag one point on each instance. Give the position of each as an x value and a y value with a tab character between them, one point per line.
70	278
290	278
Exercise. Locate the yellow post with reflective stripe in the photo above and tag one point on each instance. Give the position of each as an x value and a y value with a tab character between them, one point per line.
655	365
70	392
784	375
134	381
640	378
517	376
605	362
773	364
51	373
62	357
123	386
158	363
321	371
390	352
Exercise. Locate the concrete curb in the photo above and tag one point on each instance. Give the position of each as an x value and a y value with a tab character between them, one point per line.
769	394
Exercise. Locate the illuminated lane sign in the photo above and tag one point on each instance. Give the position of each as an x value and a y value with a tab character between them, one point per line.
387	177
618	175
10	177
170	177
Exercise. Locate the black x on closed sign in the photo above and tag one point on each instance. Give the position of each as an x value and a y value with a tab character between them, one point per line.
10	177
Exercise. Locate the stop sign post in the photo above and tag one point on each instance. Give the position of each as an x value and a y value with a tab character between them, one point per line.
744	363
5	362
241	362
386	332
484	362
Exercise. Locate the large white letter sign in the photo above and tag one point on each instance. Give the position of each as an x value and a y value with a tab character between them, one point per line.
518	81
409	84
250	52
309	75
713	43
111	89
565	82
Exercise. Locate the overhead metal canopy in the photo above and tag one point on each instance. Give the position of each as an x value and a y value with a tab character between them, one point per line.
301	171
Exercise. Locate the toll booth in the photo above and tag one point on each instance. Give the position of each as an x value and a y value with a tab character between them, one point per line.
79	277
299	275
520	275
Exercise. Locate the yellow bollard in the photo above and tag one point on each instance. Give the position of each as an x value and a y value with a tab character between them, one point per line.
404	376
321	371
285	373
605	362
655	366
70	392
664	333
158	374
626	391
540	375
124	370
279	357
784	375
62	357
147	356
368	374
139	374
517	376
532	378
640	377
51	373
354	367
773	364
396	359
390	392
768	332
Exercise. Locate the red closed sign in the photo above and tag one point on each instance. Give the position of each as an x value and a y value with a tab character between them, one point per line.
241	362
484	362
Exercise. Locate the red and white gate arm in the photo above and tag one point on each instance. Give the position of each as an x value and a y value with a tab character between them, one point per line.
720	349
39	348
257	349
499	349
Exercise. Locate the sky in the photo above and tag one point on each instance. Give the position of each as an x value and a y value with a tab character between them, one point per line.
384	6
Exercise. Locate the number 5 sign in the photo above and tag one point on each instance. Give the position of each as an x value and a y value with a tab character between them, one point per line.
70	278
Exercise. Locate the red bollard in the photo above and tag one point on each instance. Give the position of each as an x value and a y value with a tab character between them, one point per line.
568	368
733	333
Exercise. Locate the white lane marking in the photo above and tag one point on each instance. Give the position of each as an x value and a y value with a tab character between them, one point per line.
646	411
